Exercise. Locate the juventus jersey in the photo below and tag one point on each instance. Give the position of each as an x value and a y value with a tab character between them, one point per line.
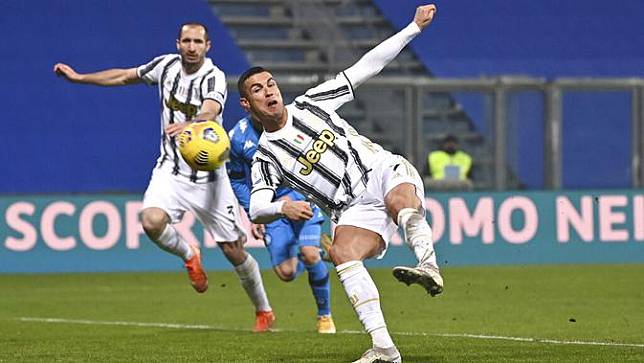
317	152
181	96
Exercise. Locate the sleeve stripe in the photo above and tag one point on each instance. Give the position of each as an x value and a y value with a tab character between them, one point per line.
350	85
262	151
263	188
150	66
330	93
330	97
264	171
271	177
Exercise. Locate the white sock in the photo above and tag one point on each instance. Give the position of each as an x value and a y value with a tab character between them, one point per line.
172	242
363	295
251	280
418	235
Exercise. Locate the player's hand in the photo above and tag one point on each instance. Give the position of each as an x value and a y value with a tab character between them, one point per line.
66	71
258	230
285	198
175	129
298	210
424	15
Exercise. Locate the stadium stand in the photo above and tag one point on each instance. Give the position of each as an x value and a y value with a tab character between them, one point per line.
467	43
323	37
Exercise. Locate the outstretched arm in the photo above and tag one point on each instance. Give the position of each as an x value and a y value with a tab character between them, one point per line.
109	77
376	59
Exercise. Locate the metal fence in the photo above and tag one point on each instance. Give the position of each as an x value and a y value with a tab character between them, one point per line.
413	136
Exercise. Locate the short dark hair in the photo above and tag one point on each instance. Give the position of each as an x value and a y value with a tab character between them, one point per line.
193	23
246	75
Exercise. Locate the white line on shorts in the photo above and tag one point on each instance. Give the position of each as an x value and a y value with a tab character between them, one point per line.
214	327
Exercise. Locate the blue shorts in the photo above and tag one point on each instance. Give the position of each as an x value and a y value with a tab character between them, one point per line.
284	237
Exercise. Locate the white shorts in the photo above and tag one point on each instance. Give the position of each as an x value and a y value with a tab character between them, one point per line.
368	210
214	203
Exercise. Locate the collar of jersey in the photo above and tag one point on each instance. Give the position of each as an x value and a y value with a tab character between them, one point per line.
279	134
206	65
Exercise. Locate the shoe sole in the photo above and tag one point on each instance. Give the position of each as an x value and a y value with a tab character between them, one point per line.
327	331
396	360
380	360
411	276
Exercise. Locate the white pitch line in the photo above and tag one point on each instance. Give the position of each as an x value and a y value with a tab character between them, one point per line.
213	327
539	340
124	323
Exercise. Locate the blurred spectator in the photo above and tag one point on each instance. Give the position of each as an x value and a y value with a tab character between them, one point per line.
449	167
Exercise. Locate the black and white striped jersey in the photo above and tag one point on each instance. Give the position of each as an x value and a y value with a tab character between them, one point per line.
181	96
317	152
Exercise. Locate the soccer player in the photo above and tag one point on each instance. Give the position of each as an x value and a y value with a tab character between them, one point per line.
292	245
366	190
190	87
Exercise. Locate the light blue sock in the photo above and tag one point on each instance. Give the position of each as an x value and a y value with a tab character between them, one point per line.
319	282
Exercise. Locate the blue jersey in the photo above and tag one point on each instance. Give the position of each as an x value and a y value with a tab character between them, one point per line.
243	145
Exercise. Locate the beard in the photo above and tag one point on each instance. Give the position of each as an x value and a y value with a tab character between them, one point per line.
191	60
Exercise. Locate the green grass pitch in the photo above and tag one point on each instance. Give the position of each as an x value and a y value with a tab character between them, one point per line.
578	313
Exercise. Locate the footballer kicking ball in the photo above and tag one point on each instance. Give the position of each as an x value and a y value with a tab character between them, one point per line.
204	145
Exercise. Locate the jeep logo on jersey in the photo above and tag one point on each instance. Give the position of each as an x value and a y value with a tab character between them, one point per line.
312	156
186	108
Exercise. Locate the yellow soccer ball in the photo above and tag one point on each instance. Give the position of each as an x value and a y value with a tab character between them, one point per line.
204	145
